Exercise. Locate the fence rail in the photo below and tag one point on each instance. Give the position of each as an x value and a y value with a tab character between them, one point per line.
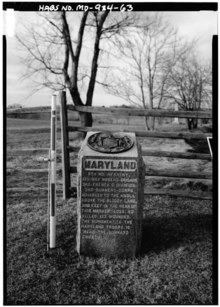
31	110
145	152
163	153
67	149
25	152
149	134
189	136
180	193
168	173
148	172
155	192
140	112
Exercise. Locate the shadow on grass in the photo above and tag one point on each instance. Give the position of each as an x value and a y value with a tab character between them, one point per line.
162	233
158	234
65	252
61	277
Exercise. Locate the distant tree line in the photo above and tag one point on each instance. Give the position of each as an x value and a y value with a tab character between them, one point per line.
14	106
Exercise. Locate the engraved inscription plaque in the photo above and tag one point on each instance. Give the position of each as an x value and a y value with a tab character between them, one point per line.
109	203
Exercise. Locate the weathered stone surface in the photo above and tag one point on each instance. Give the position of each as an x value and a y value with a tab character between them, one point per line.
110	199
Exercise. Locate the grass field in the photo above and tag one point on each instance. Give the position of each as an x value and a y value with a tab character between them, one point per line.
175	265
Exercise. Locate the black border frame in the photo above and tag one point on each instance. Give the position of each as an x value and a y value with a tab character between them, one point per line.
138	6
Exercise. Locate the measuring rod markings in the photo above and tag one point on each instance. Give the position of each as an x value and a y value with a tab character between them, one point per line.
53	175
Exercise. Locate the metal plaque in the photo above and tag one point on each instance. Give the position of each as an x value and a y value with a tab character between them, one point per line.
108	142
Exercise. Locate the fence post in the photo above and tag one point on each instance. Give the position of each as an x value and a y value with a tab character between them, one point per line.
65	146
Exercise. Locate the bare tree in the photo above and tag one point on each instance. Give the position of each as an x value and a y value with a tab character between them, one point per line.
190	85
59	53
148	56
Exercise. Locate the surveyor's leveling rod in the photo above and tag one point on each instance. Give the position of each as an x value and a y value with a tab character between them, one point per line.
53	175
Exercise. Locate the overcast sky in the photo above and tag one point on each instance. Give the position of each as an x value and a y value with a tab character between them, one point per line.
201	25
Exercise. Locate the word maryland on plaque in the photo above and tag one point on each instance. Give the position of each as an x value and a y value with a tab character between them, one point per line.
110	195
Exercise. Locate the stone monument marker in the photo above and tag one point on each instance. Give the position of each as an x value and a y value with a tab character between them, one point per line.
110	195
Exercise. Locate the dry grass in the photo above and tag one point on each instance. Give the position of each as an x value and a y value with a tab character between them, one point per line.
175	265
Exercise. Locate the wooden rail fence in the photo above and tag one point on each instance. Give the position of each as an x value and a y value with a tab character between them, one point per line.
67	149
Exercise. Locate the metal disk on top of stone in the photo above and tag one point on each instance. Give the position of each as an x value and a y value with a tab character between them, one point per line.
110	195
110	142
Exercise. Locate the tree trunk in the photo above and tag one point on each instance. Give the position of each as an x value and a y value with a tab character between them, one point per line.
151	122
86	119
146	123
151	96
189	123
192	123
94	66
195	123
